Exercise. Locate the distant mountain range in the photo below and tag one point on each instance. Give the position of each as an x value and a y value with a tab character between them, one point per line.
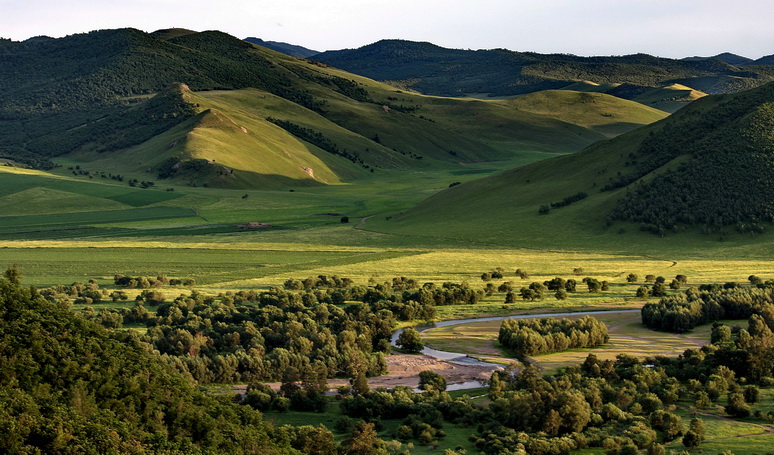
734	59
287	49
731	59
435	70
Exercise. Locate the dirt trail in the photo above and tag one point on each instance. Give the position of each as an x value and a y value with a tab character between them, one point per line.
363	221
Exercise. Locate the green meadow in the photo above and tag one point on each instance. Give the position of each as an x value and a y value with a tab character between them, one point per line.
195	232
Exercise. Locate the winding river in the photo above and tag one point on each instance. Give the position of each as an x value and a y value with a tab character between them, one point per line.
458	357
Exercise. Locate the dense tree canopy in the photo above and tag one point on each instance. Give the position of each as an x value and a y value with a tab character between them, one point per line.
70	386
726	152
525	337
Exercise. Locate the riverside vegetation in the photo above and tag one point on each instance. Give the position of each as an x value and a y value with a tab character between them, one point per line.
623	405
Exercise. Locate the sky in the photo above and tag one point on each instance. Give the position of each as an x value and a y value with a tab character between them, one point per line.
667	28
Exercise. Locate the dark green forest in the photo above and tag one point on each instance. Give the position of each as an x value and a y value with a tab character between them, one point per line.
69	385
714	163
320	327
542	336
72	385
435	70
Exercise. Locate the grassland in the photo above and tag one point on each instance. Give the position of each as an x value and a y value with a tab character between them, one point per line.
609	115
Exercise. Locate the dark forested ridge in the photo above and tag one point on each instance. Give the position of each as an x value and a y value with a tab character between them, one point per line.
435	70
70	386
726	171
287	49
727	57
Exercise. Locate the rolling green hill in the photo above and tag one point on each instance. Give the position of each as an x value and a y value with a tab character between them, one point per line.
599	112
210	109
669	98
707	168
454	72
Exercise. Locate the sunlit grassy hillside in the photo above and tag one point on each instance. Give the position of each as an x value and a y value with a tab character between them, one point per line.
710	159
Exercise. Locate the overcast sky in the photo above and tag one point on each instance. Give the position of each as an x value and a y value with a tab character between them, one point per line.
669	28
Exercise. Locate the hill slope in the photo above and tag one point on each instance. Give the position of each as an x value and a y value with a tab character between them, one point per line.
605	114
765	60
707	167
208	108
669	98
453	72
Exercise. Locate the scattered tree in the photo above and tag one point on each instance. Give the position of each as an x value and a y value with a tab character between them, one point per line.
410	341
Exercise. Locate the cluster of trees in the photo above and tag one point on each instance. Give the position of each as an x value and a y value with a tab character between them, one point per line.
248	336
657	286
410	341
142	184
319	282
544	209
422	414
526	337
447	294
77	292
318	139
560	286
346	87
403	296
146	282
495	274
684	311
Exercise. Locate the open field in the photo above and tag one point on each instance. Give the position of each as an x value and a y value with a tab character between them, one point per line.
249	260
254	260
